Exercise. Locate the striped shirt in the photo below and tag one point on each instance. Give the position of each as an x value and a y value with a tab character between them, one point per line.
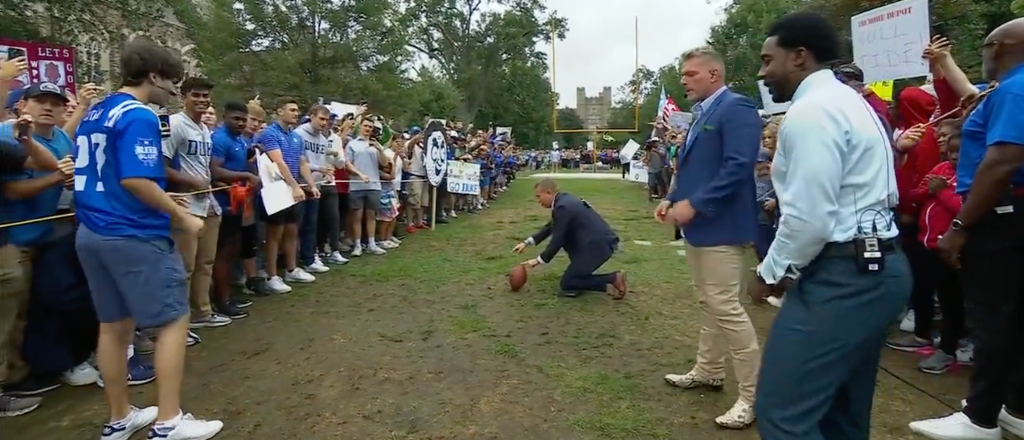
277	138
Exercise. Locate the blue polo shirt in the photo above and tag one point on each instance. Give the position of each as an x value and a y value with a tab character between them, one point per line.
277	138
234	152
42	205
995	121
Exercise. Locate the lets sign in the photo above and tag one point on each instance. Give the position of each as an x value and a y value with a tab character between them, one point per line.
46	62
888	41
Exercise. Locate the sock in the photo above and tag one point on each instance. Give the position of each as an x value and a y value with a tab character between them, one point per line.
371	242
131	350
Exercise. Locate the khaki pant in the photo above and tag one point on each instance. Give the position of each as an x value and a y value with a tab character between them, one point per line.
15	281
197	253
725	327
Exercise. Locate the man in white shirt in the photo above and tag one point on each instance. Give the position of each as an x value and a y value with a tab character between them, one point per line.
187	159
418	196
314	147
835	255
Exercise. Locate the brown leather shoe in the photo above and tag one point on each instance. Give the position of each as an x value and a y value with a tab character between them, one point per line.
621	288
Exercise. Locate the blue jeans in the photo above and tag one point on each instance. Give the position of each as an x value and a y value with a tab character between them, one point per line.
817	377
307	231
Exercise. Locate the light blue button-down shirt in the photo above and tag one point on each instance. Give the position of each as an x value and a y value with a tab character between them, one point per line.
833	174
699	109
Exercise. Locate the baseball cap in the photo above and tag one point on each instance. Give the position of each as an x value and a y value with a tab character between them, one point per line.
850	71
14	96
415	130
653	139
43	89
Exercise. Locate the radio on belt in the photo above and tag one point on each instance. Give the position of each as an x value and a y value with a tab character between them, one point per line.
869	254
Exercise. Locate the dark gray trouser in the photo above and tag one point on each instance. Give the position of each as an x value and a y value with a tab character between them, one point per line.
818	371
580	276
990	270
328	229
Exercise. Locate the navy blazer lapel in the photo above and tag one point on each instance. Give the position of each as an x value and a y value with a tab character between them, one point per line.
699	124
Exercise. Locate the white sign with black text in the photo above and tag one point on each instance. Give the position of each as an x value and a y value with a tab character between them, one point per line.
463	178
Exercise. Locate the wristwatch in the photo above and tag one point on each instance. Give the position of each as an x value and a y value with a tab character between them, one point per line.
956	225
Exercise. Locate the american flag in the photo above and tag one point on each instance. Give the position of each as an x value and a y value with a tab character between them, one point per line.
666	106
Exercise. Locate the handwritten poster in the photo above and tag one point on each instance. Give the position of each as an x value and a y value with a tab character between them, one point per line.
46	62
463	178
888	41
771	107
883	89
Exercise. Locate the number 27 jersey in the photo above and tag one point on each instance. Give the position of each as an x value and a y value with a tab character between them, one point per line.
118	139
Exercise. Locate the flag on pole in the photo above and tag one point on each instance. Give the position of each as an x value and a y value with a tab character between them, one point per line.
666	106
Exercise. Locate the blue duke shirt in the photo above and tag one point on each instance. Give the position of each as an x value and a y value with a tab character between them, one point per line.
995	121
233	151
118	139
833	174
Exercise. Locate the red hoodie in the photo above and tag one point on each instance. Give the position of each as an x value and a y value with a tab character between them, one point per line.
879	106
937	210
916	107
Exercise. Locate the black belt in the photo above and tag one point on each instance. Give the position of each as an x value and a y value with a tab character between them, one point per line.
847	249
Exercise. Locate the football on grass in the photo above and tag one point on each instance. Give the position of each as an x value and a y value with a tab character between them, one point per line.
517	278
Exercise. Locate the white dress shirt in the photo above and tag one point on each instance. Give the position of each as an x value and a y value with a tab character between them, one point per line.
833	174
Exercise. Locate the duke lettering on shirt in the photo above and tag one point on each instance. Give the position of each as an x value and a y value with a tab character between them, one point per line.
189	148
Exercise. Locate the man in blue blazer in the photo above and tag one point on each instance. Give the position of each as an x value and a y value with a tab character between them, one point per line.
714	202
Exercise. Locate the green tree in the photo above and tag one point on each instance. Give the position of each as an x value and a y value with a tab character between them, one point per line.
490	55
568	119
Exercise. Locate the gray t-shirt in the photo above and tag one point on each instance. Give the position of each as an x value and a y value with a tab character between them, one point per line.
365	158
189	148
315	146
655	160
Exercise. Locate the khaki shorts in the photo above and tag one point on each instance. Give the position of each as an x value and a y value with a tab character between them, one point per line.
418	192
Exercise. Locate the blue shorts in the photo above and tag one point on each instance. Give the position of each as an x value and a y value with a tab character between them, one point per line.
134	278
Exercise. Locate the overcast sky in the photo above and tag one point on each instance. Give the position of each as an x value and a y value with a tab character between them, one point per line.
599	48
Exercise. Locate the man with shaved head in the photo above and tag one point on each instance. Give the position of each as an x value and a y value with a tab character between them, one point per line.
987	242
588	240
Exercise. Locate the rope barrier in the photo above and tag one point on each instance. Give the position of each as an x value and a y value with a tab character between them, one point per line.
191	193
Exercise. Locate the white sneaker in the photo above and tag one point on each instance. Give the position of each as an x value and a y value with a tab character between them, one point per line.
336	258
452	215
907	324
965	353
136	420
317	266
693	380
187	428
298	275
81	375
776	301
376	250
387	245
1006	421
955	426
395	240
277	285
740	416
356	251
192	339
